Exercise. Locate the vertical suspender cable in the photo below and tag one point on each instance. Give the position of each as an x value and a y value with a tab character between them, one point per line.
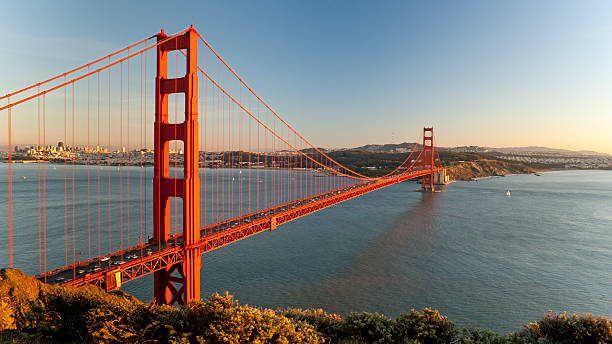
217	156
266	168
301	172
145	142
44	188
295	171
88	172
230	186
239	159
121	149
201	118
128	151
280	180
65	180
214	148
74	152
38	152
205	120
223	162
220	206
240	156
108	159
98	166
10	187
249	149
274	167
249	119
140	149
258	155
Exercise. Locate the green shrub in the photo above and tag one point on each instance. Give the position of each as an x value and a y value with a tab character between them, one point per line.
428	327
368	327
480	336
243	324
75	316
323	322
57	316
569	328
221	320
106	325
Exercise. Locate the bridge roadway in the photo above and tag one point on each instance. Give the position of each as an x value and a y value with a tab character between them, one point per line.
129	264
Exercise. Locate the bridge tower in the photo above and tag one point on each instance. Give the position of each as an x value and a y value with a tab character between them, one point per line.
428	158
179	283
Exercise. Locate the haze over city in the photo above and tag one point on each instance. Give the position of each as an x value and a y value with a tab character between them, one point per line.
495	74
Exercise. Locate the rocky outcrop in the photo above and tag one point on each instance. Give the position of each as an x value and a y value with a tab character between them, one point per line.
469	170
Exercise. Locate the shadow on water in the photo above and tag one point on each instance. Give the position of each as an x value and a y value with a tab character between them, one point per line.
380	275
412	229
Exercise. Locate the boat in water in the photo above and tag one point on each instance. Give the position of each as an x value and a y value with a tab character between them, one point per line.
508	193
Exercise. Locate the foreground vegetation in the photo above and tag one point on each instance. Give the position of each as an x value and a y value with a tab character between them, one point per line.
32	312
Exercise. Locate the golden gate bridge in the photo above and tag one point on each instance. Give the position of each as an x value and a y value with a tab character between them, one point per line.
236	167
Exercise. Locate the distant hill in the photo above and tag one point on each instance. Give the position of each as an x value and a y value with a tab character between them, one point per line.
544	151
529	150
386	148
407	147
313	151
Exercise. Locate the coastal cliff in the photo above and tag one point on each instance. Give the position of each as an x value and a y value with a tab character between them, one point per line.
470	170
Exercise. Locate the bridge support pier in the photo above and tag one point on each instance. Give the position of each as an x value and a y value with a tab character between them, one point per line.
179	283
428	159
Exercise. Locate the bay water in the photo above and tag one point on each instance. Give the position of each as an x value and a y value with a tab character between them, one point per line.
478	256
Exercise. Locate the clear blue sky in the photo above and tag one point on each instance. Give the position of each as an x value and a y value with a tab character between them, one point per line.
496	73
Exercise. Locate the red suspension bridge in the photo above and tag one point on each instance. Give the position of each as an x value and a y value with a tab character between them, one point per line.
230	168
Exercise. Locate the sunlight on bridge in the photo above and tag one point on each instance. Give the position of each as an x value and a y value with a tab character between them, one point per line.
225	166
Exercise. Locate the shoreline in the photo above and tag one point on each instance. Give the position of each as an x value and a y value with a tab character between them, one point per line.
475	179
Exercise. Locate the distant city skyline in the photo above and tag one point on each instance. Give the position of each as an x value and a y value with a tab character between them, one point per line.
115	148
482	73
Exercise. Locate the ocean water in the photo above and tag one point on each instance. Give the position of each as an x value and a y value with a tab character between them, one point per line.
478	256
